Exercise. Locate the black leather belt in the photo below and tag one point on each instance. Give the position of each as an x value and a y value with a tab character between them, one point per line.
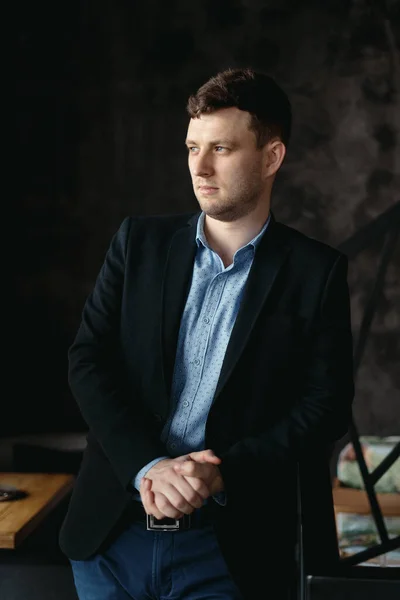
168	524
199	518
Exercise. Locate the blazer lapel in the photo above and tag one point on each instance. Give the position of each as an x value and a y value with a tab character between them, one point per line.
269	258
176	285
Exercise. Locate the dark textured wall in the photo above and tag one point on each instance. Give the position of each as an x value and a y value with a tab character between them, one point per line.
101	125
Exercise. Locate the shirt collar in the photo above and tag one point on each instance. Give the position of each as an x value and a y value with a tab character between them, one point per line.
201	238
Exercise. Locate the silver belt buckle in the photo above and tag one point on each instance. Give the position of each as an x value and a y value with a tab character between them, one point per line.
153	524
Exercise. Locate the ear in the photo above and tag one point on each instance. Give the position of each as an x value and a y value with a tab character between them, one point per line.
275	152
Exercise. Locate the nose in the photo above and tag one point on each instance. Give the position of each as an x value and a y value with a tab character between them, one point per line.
201	165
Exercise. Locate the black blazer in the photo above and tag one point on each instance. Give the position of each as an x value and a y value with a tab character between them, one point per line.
284	393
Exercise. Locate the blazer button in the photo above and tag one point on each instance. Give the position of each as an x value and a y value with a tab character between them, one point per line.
158	417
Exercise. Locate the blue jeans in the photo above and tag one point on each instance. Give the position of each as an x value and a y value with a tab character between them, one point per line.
148	565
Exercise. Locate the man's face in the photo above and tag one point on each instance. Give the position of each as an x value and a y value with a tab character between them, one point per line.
227	169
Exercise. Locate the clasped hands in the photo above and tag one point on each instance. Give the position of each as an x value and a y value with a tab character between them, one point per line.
177	486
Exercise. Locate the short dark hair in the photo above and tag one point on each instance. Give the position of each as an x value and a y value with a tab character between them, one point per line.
251	91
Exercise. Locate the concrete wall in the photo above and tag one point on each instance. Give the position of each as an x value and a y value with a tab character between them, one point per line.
101	125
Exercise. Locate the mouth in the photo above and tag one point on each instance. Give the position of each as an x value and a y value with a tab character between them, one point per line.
207	189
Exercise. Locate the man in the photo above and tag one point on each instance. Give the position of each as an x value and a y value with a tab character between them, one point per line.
214	356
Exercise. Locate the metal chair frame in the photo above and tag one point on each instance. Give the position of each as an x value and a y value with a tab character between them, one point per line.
387	228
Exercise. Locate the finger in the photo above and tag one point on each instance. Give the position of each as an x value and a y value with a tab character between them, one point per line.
194	469
148	499
147	496
153	502
181	494
165	508
197	477
152	508
209	474
202	488
145	485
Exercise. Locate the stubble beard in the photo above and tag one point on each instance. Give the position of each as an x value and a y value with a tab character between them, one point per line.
234	207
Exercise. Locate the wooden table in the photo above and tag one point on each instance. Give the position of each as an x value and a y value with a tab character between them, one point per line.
349	500
18	518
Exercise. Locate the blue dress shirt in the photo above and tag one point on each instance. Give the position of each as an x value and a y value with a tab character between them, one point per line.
207	322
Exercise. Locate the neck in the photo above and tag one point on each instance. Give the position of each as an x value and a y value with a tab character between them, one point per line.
225	238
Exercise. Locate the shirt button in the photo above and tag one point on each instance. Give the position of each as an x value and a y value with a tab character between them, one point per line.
186	403
197	362
173	445
206	320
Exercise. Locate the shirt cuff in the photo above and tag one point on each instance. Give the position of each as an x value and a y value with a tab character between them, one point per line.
138	477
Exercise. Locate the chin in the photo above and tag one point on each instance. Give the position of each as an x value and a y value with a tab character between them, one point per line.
220	214
215	209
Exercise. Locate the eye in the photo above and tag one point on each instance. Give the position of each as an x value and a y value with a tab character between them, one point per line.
192	149
220	149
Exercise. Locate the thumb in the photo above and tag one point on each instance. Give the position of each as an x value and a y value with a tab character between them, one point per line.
205	456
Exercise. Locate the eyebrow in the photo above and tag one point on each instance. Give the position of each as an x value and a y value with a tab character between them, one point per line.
220	142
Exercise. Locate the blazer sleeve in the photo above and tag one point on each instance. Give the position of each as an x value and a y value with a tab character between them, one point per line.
97	376
322	412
